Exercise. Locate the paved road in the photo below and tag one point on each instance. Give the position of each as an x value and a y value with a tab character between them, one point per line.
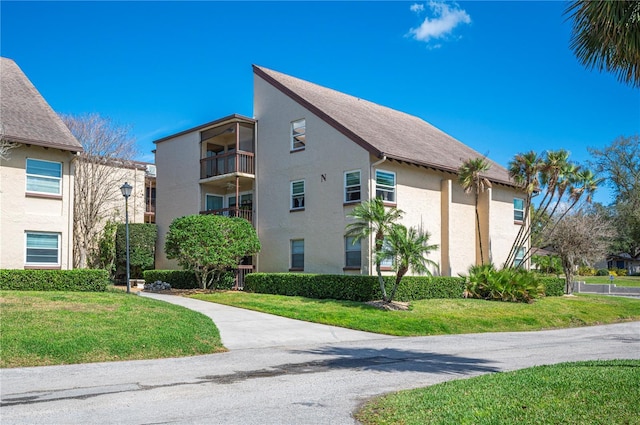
300	381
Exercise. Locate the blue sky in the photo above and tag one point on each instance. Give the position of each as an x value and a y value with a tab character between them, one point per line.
498	76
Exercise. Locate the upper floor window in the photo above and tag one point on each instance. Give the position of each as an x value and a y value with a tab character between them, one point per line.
42	249
297	195
353	252
298	131
44	176
518	209
386	185
352	186
297	254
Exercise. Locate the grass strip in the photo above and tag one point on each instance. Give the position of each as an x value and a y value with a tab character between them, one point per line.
594	392
50	328
442	316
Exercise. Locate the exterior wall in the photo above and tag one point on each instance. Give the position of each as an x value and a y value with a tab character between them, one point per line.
177	186
20	213
503	227
462	230
322	164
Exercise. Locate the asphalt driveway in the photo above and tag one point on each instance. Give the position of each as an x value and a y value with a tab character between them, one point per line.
313	375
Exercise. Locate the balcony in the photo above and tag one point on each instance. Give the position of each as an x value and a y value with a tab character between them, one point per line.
229	163
245	213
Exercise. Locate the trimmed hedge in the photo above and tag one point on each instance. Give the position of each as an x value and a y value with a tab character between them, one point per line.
185	279
55	280
352	287
178	279
553	286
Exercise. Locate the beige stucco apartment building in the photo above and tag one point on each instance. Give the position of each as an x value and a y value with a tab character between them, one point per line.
309	155
36	178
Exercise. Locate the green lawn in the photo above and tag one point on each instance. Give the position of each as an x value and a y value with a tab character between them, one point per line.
618	280
602	392
442	316
47	328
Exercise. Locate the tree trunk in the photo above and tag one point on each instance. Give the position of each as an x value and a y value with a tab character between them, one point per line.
479	233
401	272
381	281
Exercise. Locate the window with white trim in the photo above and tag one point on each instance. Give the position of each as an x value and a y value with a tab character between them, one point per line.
297	254
352	252
386	185
44	177
42	249
388	261
352	186
518	209
297	195
298	134
519	256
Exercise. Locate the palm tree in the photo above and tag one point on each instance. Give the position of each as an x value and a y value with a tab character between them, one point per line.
471	179
408	248
373	219
606	35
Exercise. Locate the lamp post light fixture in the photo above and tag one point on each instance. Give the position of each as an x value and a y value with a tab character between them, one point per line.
126	192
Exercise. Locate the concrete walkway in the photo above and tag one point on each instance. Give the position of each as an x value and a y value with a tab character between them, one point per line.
242	329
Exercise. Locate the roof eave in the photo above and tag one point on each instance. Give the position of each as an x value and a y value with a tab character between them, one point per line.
232	117
42	143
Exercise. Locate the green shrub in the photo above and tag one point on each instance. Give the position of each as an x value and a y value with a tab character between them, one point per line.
186	279
142	248
351	287
54	280
553	286
514	285
602	272
178	279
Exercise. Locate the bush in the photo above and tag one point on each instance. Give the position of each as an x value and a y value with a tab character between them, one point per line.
553	286
185	279
351	287
602	272
142	248
622	272
586	271
54	280
514	285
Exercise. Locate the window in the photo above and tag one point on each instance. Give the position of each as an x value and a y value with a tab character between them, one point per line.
214	202
43	249
518	209
386	263
352	186
352	250
297	254
44	177
297	195
386	185
519	256
298	131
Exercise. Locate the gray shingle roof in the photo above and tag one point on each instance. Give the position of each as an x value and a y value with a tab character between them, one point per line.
25	116
381	130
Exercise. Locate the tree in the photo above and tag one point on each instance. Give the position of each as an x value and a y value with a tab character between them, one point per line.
210	244
142	248
619	162
99	172
373	219
579	238
471	179
606	36
408	248
562	185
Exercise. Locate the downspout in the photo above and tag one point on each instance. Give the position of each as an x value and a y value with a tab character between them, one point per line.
371	196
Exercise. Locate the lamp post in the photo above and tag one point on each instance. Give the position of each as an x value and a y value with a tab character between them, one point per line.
126	192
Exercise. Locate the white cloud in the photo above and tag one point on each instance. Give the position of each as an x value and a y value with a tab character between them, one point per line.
416	7
446	17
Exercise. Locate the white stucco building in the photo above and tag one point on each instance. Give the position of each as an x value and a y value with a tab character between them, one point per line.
307	157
